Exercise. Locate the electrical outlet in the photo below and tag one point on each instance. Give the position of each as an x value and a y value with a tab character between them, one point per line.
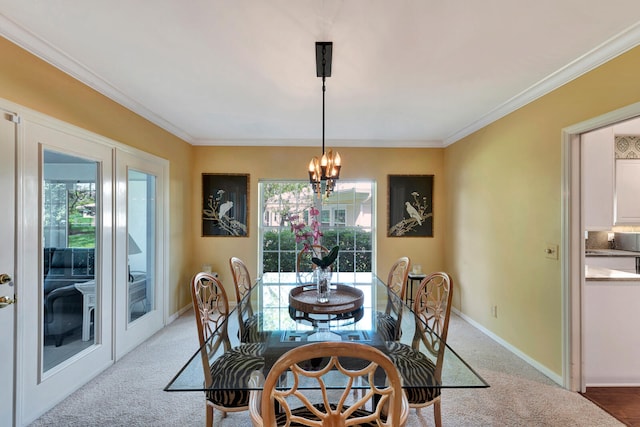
551	251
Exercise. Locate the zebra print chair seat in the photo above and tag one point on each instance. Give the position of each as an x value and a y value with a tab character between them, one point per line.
250	330
231	372
387	326
415	368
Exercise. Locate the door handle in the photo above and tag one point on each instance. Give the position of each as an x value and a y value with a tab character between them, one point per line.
4	278
5	301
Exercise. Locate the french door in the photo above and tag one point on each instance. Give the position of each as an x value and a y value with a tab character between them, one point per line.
139	273
90	257
67	236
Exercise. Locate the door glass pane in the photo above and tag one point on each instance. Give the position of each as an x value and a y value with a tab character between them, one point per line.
70	202
141	224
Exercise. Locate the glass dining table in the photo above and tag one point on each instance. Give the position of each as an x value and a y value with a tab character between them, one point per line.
360	309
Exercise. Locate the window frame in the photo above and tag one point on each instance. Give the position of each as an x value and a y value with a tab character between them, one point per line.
353	254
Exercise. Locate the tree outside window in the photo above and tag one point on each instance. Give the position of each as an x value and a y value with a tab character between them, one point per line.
69	214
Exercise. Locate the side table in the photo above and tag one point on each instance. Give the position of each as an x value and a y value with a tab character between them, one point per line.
88	290
412	277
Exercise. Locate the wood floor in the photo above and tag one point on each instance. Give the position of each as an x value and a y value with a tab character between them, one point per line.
621	402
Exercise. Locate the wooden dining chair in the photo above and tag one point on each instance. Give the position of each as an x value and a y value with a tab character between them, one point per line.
388	322
307	367
227	369
432	307
248	321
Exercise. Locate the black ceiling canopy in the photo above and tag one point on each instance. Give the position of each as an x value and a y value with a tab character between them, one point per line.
323	58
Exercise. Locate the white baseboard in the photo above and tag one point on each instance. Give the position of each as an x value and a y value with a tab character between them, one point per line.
178	313
543	369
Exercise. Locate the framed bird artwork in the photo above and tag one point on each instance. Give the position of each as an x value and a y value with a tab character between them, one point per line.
225	205
410	206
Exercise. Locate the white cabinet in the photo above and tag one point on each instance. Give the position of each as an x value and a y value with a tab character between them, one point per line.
611	333
621	263
627	192
598	160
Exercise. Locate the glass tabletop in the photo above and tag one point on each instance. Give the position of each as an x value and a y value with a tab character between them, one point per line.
361	309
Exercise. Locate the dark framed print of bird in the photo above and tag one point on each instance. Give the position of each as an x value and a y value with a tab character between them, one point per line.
410	206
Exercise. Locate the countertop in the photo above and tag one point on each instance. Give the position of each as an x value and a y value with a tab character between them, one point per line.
601	273
610	252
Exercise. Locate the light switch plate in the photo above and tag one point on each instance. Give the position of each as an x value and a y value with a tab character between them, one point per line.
551	251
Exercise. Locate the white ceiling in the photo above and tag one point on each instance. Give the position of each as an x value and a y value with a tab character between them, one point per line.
242	72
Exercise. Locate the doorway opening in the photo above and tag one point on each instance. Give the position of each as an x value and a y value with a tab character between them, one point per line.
573	243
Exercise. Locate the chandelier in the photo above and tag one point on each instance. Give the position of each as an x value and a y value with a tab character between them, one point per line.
324	172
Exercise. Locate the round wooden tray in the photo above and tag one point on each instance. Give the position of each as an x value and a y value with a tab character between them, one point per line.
343	299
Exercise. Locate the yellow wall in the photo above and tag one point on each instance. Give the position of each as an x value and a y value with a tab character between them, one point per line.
496	205
504	205
30	82
291	163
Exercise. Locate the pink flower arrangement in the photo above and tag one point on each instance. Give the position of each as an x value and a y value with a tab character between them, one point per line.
308	236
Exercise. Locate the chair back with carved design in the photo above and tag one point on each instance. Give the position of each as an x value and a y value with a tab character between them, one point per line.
226	370
389	322
418	365
397	279
211	309
432	307
241	278
242	282
327	406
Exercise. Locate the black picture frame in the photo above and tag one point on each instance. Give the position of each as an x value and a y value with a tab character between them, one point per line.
225	205
410	206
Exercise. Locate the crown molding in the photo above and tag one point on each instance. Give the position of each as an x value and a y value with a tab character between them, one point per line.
606	51
362	143
59	59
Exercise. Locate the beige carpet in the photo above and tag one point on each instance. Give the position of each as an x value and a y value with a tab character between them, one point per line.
130	393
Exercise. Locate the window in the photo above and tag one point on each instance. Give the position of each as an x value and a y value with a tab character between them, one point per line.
69	234
69	213
333	215
346	217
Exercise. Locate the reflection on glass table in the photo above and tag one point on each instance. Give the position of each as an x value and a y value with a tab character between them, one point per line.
282	329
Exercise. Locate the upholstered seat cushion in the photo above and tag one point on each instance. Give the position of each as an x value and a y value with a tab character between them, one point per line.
415	368
252	333
232	371
386	326
304	412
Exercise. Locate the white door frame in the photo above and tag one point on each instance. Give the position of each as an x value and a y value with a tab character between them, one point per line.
8	266
572	252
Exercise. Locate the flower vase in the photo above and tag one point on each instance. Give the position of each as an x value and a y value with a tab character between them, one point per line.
323	282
